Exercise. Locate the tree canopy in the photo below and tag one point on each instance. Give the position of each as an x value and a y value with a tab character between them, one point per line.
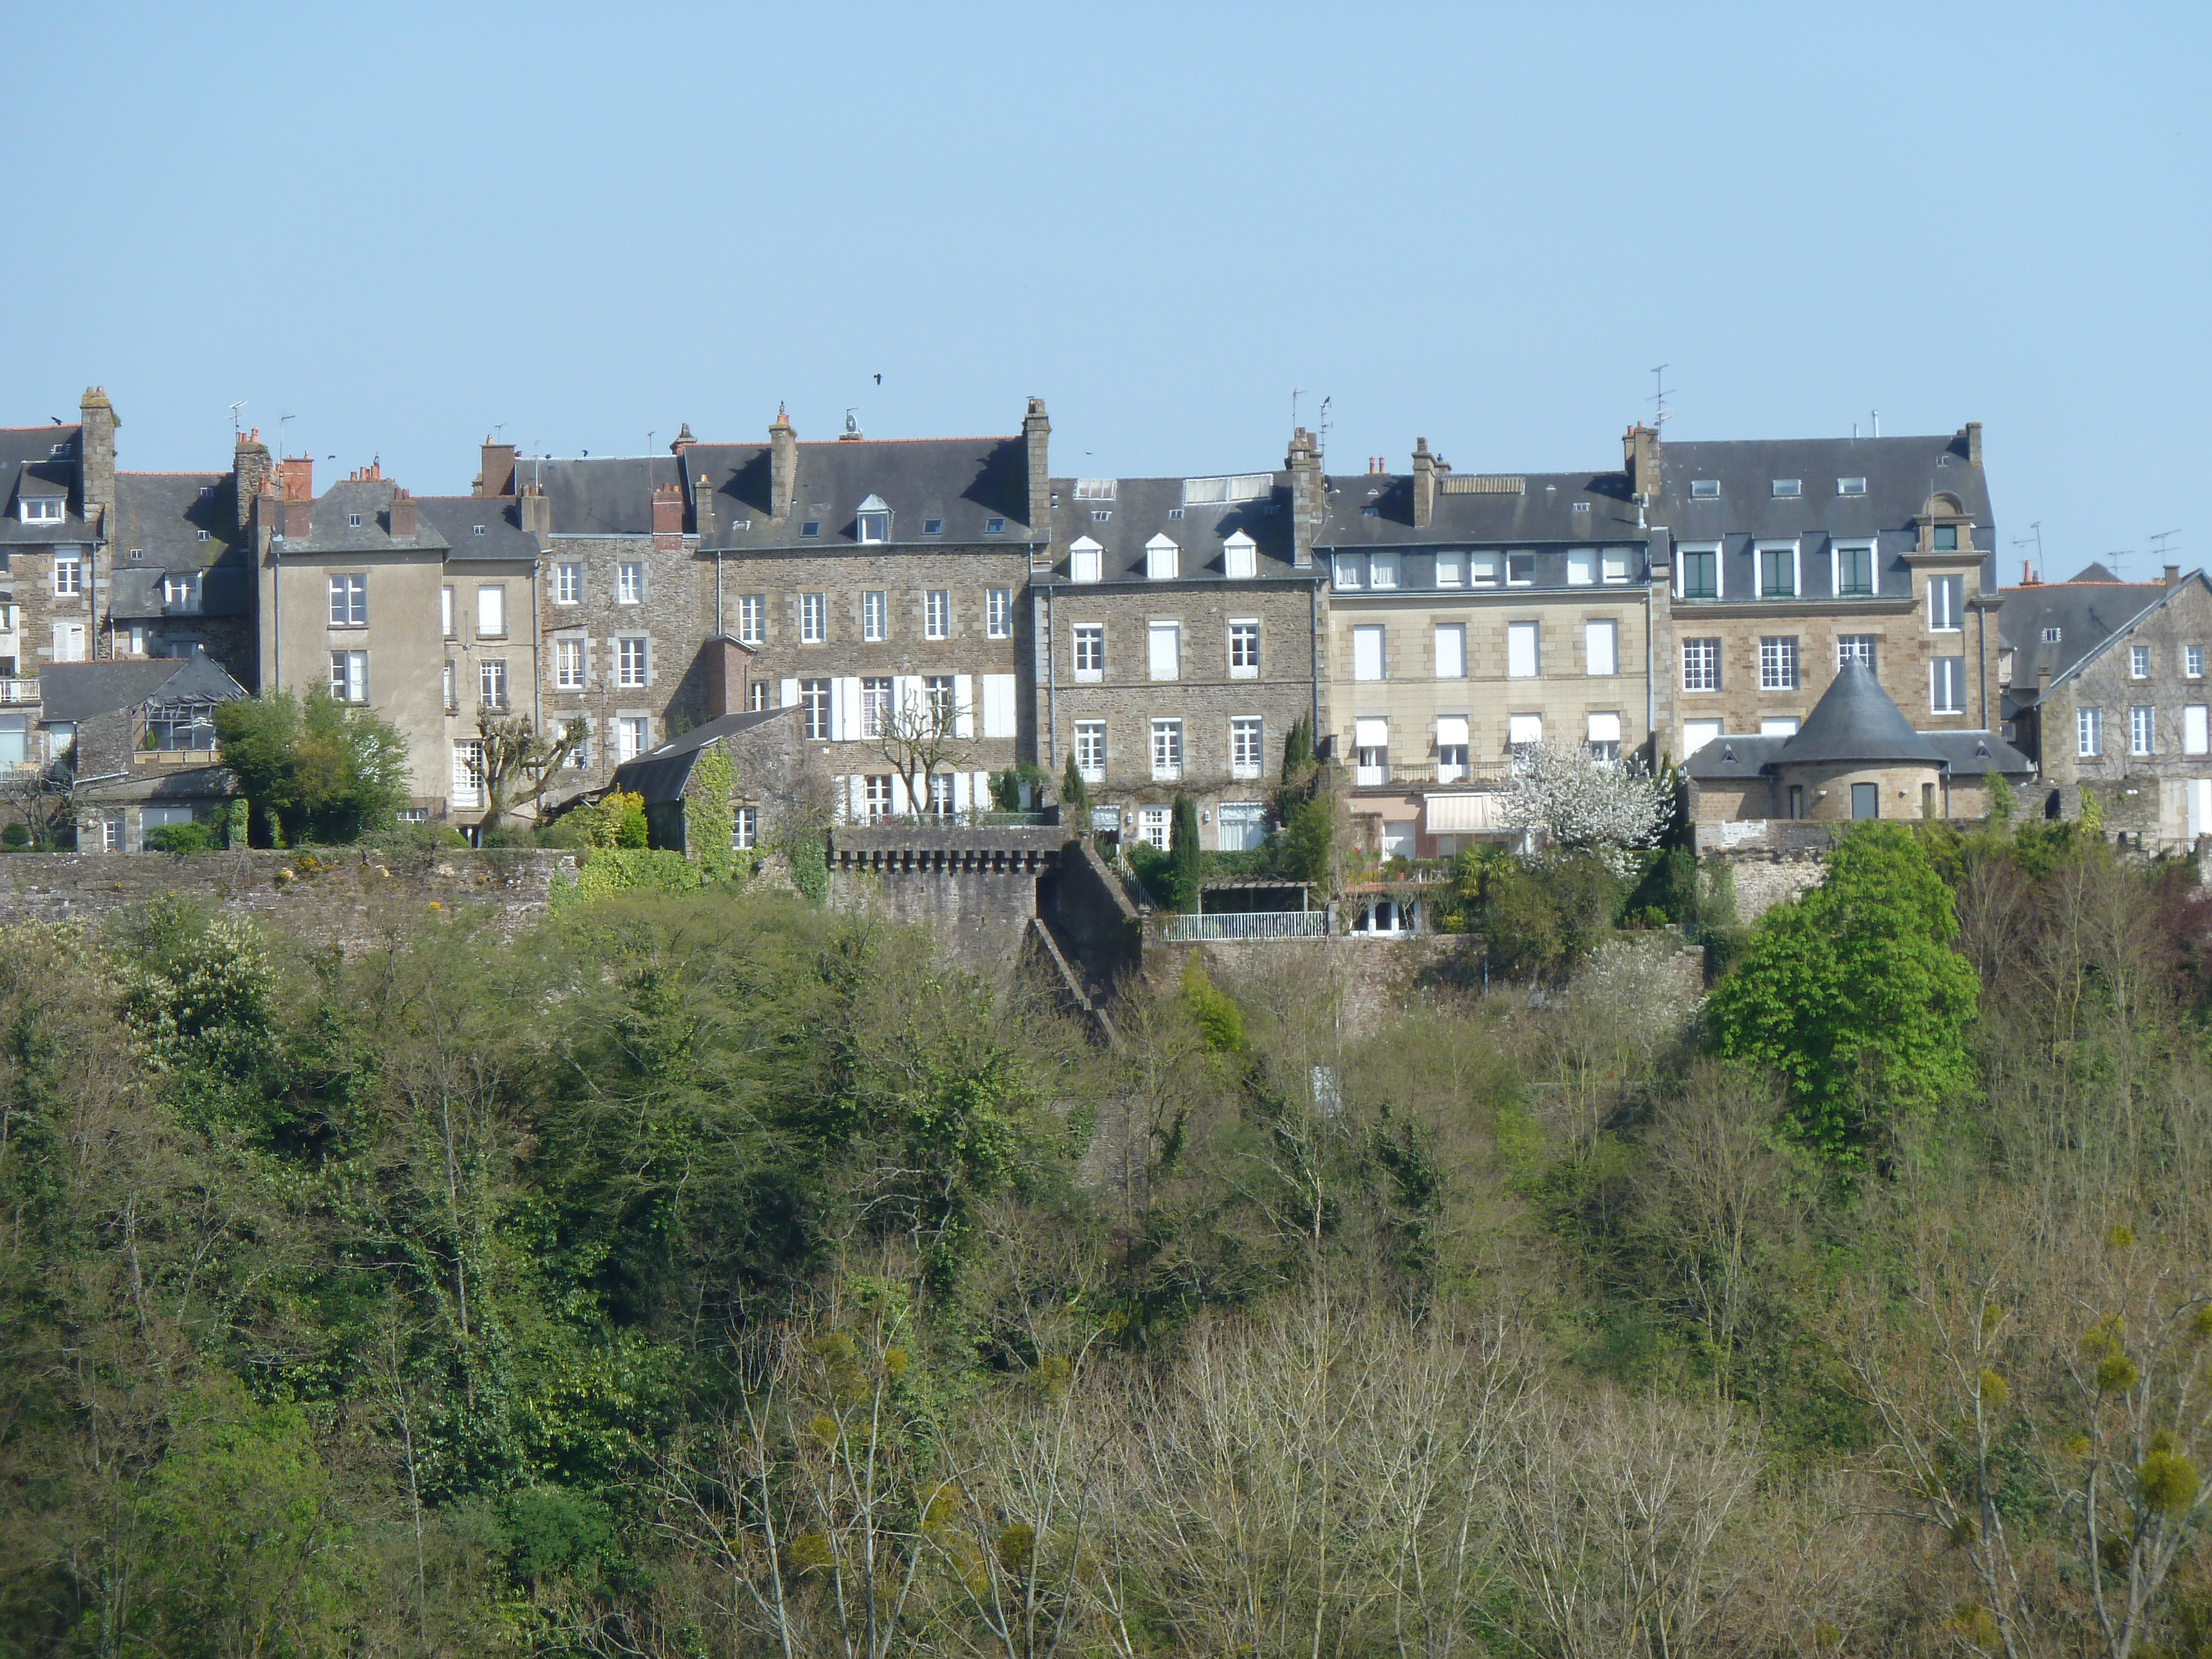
328	771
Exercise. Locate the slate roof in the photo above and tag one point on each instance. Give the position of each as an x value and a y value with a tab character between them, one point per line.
661	774
2089	611
1139	511
1855	721
965	482
27	462
608	495
329	533
1541	511
85	691
1900	475
158	517
1967	754
455	518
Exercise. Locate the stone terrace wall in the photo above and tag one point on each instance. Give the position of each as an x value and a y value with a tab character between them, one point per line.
974	891
351	897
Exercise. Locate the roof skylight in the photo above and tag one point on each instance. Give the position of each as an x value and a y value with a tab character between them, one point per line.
1850	486
1704	489
1094	490
1241	487
1784	487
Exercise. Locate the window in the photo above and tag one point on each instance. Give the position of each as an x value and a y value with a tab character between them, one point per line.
752	617
633	737
1601	647
1091	750
937	614
1704	489
1854	648
938	697
580	757
180	592
1777	664
568	584
1520	569
1451	570
1367	654
813	618
873	520
1244	487
1696	734
1866	800
1604	739
491	613
1240	827
1613	565
1085	561
349	676
1162	560
1094	490
1243	650
814	702
468	772
1701	665
876	796
1370	746
2088	732
1451	651
1796	801
1166	660
875	704
940	794
69	641
2138	662
1854	569
1850	486
2192	661
1247	747
1100	516
1943	616
1778	571
997	613
2143	731
1581	566
1174	513
933	526
348	600
1089	651
2197	729
1383	570
181	726
1521	651
491	682
567	664
993	526
745	828
1346	572
629	583
1153	826
1947	538
1451	749
812	528
1167	750
756	696
1700	572
1483	568
875	615
630	662
448	686
1784	488
353	520
203	534
446	612
1947	686
1523	733
42	509
1240	557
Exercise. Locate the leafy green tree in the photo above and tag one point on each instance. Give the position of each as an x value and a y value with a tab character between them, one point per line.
1183	855
1303	810
1854	996
1074	797
318	770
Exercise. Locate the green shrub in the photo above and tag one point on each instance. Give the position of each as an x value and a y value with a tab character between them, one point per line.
14	838
184	838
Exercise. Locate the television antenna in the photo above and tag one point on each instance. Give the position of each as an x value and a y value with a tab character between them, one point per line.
2159	538
1659	398
235	408
2035	541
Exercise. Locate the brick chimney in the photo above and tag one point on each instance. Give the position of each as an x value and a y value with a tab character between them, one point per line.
727	668
97	468
1639	459
1037	433
667	518
299	519
295	477
537	512
1308	496
249	469
1973	443
497	478
401	516
782	465
1424	485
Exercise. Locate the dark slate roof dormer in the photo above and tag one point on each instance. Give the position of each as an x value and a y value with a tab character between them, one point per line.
963	485
1142	510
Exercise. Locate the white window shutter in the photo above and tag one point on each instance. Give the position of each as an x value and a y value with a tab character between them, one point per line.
857	812
963	706
900	805
960	797
998	705
845	709
789	695
979	788
906	691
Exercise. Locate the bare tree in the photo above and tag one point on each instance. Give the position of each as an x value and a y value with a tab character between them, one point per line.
45	799
918	736
518	765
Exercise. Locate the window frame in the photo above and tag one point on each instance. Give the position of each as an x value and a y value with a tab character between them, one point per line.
1777	650
1760	551
2138	662
496	593
1167	749
1837	550
492	684
1380	635
641	656
1585	560
875	614
1848	643
2142	730
1940	668
1248	736
1534	632
2088	733
1084	633
630	581
1714	550
1244	647
1438	631
1153	631
348	593
752	618
997	613
1949	585
1450	569
814	618
937	613
568	664
2192	662
814	697
568	584
1528	553
1610	627
1090	737
345	681
1708	650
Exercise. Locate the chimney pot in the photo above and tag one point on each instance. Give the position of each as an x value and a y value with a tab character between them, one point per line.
2172	574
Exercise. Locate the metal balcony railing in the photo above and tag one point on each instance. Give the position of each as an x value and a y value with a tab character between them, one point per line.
19	691
1179	928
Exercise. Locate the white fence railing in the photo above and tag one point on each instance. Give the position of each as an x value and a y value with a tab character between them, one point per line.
1181	929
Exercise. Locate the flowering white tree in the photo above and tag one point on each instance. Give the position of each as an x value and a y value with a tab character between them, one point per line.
1578	803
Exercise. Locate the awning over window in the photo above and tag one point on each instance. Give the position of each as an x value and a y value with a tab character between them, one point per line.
1370	734
1463	815
1451	733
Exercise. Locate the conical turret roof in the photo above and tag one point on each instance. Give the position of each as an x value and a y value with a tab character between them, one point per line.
1856	722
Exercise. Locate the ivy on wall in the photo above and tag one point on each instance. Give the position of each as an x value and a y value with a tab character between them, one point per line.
709	823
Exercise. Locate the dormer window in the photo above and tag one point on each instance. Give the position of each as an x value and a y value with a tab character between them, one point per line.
1788	487
1704	489
353	520
1240	557
202	535
478	528
1100	514
180	592
42	509
206	492
1094	490
1850	486
1162	559
1084	560
1947	538
994	526
874	519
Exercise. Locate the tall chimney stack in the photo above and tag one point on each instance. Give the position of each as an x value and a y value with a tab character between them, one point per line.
1037	431
537	511
97	465
1424	485
497	478
667	518
249	469
1973	443
401	516
1639	459
1303	463
782	465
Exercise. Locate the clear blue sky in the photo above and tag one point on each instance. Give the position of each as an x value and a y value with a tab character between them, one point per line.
403	224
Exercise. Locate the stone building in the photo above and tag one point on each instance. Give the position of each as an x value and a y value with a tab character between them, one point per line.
2108	690
1787	557
1854	757
868	577
1176	638
138	735
179	580
777	779
60	482
1469	614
